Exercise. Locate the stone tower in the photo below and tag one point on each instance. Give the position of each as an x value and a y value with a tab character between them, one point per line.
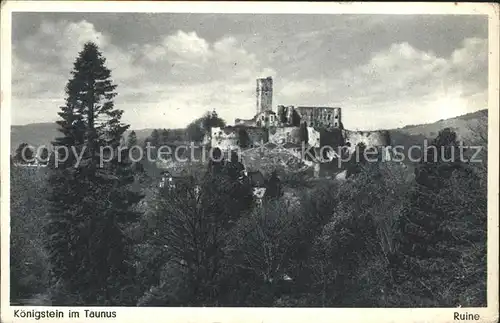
264	94
337	117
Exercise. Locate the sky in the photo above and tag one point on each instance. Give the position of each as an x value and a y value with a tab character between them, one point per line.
384	71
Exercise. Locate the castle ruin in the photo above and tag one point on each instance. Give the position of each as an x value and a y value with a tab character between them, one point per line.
321	117
267	117
324	126
264	94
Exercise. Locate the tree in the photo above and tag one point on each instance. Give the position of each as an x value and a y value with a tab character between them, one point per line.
480	130
194	132
133	150
152	141
165	136
443	229
155	138
439	161
132	139
234	168
348	257
197	129
273	187
43	158
260	249
24	154
28	258
90	201
212	120
193	229
216	162
357	160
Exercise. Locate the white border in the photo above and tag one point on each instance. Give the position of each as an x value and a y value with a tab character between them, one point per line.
268	7
275	315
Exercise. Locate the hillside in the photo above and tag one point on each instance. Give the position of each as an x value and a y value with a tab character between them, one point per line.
466	127
38	134
35	134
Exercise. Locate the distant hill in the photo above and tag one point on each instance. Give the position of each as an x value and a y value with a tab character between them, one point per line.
466	127
37	134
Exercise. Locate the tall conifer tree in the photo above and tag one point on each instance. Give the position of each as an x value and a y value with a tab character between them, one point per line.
91	203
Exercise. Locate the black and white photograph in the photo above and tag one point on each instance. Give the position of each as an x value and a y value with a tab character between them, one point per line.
211	159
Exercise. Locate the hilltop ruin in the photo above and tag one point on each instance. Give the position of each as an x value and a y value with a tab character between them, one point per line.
283	126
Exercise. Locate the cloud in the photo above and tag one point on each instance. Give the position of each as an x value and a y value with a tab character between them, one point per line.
414	84
162	84
187	45
41	65
179	47
178	75
400	85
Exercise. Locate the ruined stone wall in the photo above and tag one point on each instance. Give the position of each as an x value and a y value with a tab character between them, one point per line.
282	135
337	118
306	115
257	136
228	138
225	138
266	119
321	117
246	122
314	137
327	117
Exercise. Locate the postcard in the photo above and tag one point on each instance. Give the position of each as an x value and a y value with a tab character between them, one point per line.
249	161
